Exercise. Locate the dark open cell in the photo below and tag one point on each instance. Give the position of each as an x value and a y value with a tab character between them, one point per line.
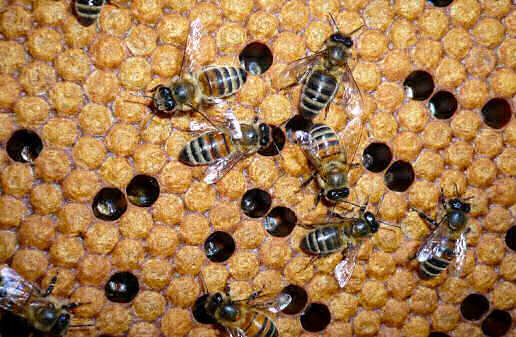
122	287
274	148
510	238
438	334
399	176
376	157
280	221
474	306
255	203
24	146
256	58
143	190
109	204
497	323
440	3
419	85
199	312
219	246
297	123
497	113
443	104
316	317
299	299
12	325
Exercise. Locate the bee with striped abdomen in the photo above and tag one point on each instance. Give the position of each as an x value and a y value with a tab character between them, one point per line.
194	88
447	243
322	147
222	148
240	318
342	234
40	309
322	73
88	11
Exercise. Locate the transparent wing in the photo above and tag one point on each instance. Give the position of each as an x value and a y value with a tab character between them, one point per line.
220	167
193	45
344	269
233	124
14	290
235	332
352	100
460	253
431	245
275	304
296	70
307	143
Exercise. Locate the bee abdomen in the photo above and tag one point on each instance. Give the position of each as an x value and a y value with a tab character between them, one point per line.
88	10
259	325
317	93
327	141
322	241
206	148
221	81
432	267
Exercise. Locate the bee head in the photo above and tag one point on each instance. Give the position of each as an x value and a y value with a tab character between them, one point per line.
337	194
61	324
336	188
371	221
164	100
339	38
459	205
213	303
337	46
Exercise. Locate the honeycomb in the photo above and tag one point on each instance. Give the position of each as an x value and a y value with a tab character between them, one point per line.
74	86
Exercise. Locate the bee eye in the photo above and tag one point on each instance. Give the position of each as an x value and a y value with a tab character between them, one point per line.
466	208
348	42
337	194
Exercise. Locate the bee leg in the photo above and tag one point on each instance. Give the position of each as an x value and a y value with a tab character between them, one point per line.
51	287
319	197
425	217
306	182
227	289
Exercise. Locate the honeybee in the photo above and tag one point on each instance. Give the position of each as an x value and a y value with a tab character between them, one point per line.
240	318
321	75
223	147
341	234
42	311
88	11
194	88
322	147
447	241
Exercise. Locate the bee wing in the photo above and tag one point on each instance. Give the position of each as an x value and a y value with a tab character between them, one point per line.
431	245
352	101
15	291
460	253
193	46
296	70
235	332
221	166
307	143
233	124
344	269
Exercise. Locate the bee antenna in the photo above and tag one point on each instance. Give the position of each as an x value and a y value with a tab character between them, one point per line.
388	224
203	283
351	203
356	30
333	23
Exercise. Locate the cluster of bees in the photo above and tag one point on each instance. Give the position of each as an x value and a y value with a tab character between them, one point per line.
223	144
